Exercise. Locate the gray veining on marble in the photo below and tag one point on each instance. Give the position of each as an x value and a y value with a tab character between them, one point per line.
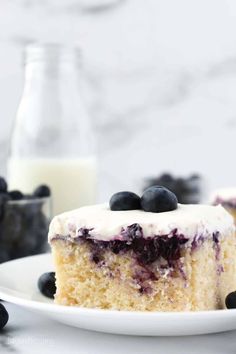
159	80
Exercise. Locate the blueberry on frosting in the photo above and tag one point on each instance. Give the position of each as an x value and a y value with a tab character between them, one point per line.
124	201
155	199
158	199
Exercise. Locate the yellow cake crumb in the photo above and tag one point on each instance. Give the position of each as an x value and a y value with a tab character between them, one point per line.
202	285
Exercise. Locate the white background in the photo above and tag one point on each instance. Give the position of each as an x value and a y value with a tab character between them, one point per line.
161	81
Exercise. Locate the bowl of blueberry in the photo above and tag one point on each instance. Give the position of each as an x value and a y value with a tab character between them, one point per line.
24	221
188	190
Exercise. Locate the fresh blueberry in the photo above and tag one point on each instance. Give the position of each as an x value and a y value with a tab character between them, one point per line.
47	284
194	184
16	195
3	185
230	300
4	256
42	191
166	177
3	316
158	199
195	176
4	198
124	201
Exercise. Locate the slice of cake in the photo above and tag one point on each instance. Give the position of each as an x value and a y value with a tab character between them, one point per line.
141	260
227	198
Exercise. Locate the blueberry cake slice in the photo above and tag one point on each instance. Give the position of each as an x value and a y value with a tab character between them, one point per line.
227	198
160	256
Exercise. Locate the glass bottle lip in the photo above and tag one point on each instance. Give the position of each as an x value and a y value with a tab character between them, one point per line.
51	52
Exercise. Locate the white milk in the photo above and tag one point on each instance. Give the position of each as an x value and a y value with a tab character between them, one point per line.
73	182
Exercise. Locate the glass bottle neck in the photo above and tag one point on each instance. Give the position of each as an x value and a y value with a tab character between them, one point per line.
51	66
51	119
50	73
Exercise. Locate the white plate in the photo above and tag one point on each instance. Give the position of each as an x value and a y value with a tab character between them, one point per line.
18	284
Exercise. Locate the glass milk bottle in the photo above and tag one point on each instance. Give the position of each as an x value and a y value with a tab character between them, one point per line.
52	142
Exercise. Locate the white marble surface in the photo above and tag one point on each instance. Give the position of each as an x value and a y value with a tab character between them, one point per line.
28	333
160	82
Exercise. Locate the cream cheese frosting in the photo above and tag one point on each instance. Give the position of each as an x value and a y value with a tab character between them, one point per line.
224	196
105	224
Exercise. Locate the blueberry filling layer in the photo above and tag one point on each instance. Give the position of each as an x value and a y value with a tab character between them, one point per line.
166	249
146	250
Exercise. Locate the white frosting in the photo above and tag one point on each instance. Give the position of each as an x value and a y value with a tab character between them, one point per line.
190	220
226	195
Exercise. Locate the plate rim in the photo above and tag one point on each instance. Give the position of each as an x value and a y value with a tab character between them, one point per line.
62	309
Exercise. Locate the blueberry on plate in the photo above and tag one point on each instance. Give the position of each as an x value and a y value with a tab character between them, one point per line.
230	300
47	284
15	195
124	201
3	316
158	199
3	185
42	191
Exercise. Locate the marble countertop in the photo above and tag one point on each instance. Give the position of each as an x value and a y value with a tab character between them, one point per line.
29	333
157	85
